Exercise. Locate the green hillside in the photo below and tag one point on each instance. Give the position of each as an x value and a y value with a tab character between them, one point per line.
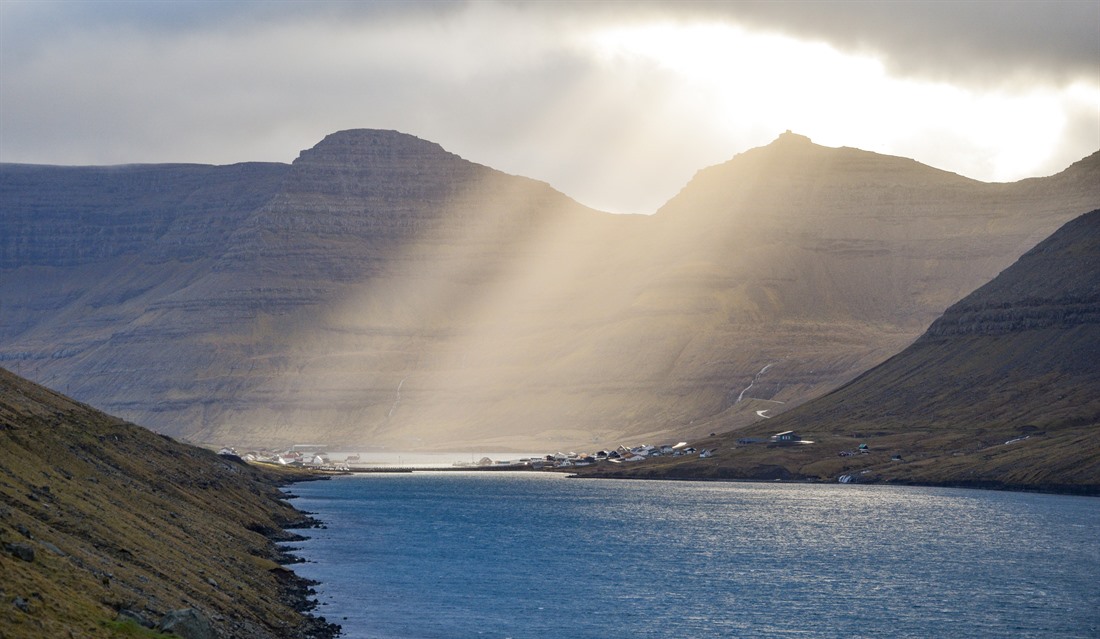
99	516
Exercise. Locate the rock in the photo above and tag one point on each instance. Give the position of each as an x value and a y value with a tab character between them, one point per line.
54	549
136	617
21	604
22	551
188	623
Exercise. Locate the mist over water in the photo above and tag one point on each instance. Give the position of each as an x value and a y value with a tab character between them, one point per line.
444	555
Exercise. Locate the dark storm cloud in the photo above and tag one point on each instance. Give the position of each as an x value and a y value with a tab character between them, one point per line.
976	41
28	24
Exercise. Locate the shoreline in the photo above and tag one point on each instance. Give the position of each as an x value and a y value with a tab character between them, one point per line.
296	591
1086	490
1082	490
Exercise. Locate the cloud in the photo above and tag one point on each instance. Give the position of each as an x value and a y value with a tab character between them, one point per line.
974	42
529	88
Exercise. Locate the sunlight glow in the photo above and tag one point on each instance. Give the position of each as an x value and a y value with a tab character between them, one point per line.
729	76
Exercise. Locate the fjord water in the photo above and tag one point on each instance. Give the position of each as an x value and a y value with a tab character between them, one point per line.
524	555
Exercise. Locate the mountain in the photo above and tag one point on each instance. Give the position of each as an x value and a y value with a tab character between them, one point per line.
1003	390
816	263
103	521
381	291
198	318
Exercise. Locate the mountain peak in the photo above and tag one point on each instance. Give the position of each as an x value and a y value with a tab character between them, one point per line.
371	144
788	138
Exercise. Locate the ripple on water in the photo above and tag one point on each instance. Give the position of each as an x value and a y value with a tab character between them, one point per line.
445	555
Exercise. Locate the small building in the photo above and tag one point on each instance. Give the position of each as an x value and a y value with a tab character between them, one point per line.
786	436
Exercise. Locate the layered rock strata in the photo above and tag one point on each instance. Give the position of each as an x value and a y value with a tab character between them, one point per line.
381	291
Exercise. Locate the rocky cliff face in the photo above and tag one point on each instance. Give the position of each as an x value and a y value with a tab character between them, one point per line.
372	190
73	216
356	265
381	291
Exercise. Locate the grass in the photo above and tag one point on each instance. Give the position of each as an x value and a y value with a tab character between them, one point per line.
131	629
120	517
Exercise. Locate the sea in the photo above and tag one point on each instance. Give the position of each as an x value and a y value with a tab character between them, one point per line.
455	555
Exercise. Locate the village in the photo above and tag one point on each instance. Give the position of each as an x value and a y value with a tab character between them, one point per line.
314	456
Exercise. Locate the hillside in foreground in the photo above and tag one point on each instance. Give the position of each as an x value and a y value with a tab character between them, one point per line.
100	519
1002	391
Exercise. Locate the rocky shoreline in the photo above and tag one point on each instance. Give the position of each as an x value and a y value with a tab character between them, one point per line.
296	591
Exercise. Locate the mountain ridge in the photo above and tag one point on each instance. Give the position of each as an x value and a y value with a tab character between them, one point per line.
383	291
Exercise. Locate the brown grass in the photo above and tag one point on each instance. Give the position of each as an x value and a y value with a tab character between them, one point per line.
119	517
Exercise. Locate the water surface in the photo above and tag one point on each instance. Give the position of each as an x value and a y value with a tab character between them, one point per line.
530	555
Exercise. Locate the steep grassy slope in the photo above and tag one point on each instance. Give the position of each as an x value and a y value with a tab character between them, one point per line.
1003	390
98	515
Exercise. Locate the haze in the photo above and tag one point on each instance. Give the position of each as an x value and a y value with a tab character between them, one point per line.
615	104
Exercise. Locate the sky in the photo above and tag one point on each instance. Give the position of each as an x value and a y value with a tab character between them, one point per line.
617	104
